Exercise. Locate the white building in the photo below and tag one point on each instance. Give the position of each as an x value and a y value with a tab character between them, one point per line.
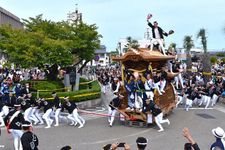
101	57
181	52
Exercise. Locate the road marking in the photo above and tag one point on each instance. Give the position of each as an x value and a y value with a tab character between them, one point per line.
220	108
113	139
197	108
117	139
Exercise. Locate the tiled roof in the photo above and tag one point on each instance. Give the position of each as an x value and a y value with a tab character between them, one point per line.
143	54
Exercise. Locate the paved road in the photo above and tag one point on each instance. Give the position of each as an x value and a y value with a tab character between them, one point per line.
97	133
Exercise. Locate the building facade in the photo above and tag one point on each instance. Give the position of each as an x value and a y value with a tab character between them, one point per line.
101	57
181	53
7	18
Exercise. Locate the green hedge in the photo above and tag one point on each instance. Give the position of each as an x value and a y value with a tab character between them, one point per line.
81	95
46	85
83	86
54	85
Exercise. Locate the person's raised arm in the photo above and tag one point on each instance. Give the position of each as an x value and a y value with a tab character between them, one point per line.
187	135
148	18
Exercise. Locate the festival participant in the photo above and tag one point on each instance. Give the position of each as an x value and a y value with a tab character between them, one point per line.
217	93
29	140
180	97
26	89
157	34
47	112
13	121
140	95
38	104
118	85
5	92
26	107
163	79
157	113
192	94
57	108
105	82
199	79
156	81
211	93
13	100
17	89
73	112
34	106
112	109
201	90
149	88
208	93
130	87
170	66
4	110
178	79
141	143
219	135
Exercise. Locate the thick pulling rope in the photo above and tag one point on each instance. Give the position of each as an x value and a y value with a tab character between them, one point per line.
132	118
98	114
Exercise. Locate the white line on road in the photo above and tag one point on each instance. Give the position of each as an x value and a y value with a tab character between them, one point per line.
117	139
198	108
220	108
110	140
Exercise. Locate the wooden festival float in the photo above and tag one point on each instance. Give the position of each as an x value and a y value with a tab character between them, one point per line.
137	60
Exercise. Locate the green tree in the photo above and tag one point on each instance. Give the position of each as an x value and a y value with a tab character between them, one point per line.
188	44
83	39
46	42
202	35
87	41
221	54
116	52
213	60
131	43
31	49
206	57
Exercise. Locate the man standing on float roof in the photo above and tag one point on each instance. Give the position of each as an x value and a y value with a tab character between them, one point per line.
157	34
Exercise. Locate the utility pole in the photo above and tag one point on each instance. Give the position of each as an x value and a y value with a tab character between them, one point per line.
75	18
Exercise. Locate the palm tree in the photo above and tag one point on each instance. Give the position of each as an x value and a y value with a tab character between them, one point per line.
206	57
188	44
131	43
202	36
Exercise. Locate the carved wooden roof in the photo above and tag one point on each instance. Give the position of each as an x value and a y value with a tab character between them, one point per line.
143	54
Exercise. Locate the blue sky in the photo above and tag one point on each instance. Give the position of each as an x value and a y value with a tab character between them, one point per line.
121	18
